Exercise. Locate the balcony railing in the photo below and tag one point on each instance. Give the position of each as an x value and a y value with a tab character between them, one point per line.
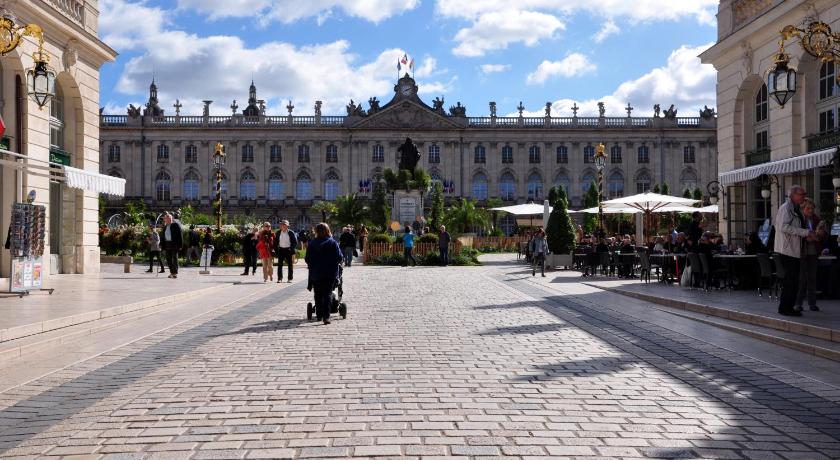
824	140
757	157
73	9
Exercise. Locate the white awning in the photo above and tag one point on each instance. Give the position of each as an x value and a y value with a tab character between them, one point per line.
811	160
95	182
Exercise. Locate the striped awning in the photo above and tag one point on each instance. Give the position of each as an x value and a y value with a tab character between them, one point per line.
790	165
93	181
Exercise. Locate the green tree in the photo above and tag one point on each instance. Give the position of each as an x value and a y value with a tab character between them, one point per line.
687	193
560	231
136	213
380	212
495	203
655	188
325	208
464	217
590	200
436	215
665	190
350	210
698	195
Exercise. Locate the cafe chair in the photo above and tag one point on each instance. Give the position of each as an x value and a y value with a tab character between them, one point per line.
765	270
779	276
697	270
714	275
644	266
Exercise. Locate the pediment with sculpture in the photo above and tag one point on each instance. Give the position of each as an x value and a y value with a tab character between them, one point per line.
407	114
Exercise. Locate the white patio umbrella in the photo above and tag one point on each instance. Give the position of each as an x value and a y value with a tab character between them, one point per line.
648	203
614	210
710	209
527	209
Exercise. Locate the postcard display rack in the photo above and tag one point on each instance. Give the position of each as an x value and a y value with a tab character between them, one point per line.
26	243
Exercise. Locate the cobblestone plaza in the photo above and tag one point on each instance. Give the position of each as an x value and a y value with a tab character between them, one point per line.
480	362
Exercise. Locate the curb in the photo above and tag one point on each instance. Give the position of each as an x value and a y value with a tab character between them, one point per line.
27	330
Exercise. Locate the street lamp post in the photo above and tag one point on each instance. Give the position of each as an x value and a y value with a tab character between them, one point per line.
600	162
40	80
219	162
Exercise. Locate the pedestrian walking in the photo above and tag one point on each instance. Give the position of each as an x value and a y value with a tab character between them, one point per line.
194	249
249	251
444	238
408	247
154	249
323	257
285	242
207	248
790	230
265	243
539	248
347	243
810	259
173	241
363	234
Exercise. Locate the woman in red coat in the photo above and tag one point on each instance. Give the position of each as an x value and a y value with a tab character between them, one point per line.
264	244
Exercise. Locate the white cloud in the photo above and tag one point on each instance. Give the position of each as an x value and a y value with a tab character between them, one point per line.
683	81
494	68
113	18
497	29
288	11
573	65
609	29
192	68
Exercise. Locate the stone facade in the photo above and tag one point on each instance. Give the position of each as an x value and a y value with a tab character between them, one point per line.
752	132
65	131
277	166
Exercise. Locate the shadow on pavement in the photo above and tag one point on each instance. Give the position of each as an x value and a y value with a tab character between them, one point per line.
269	326
35	414
526	329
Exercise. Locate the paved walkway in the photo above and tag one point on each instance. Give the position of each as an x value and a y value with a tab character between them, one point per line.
432	362
80	294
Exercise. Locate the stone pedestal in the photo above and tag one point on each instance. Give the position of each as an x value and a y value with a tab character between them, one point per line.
407	207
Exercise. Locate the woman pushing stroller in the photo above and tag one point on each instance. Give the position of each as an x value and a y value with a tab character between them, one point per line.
323	257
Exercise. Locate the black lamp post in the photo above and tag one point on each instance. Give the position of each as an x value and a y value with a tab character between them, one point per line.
600	163
219	162
817	40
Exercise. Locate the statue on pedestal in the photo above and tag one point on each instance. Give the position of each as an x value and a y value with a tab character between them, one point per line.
409	155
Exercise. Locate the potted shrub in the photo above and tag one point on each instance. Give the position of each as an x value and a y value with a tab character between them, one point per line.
560	232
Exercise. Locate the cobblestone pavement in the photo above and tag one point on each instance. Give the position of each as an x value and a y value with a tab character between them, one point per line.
431	362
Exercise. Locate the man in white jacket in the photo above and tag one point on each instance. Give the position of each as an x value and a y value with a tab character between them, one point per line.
790	229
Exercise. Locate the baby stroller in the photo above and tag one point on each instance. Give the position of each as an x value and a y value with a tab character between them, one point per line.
336	305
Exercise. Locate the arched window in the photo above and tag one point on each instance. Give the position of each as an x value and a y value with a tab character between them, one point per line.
224	186
303	186
615	154
688	154
114	153
507	154
589	154
247	186
616	185
276	154
378	155
479	187
507	187
828	101
434	153
644	154
162	153
275	187
480	155
688	180
303	154
191	185
191	154
163	186
562	180
332	154
642	182
331	186
535	187
247	153
586	181
761	123
534	154
562	154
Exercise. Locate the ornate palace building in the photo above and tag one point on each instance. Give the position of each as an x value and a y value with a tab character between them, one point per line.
765	147
277	166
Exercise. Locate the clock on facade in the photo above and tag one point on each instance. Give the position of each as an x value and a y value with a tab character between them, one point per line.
406	89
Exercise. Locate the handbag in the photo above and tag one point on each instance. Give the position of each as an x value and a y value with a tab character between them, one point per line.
355	252
685	279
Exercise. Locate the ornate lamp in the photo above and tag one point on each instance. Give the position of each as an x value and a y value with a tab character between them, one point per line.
817	40
600	163
40	80
781	79
219	162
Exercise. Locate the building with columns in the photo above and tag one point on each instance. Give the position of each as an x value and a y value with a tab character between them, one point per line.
39	142
278	165
763	147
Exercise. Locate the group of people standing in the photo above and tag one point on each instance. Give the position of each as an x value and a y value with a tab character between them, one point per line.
264	244
170	242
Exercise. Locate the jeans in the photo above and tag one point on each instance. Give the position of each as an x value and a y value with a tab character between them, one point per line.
152	256
539	261
407	253
808	266
323	297
348	256
285	255
172	260
790	285
444	256
250	260
193	253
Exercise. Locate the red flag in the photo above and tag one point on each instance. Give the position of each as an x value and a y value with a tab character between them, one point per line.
2	126
404	60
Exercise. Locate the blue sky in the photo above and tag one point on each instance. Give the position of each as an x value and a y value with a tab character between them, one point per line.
472	51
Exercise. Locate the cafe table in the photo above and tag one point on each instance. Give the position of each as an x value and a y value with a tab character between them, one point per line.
679	262
730	260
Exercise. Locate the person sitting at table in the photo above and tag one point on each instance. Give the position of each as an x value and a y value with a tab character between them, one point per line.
602	246
718	245
625	267
753	245
658	245
680	246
